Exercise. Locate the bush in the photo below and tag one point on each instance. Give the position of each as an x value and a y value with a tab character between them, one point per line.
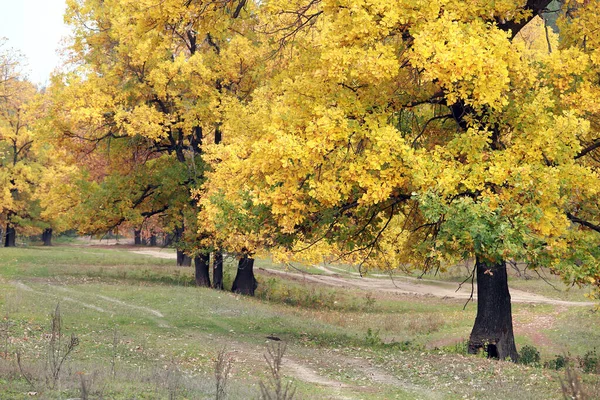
373	338
559	362
590	362
529	355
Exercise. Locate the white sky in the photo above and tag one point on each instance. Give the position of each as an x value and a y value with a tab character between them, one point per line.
35	28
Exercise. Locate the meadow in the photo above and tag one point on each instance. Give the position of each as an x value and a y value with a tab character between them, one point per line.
133	326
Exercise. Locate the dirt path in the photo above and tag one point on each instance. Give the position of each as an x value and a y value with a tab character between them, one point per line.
399	285
310	366
166	254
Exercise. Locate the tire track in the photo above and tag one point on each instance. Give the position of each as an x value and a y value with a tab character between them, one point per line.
154	315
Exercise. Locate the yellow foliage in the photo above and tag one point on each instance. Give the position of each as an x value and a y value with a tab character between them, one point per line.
352	147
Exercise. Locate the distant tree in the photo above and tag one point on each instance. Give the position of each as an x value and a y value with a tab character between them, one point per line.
32	171
145	98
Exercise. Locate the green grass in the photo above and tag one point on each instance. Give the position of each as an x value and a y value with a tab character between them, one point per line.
141	315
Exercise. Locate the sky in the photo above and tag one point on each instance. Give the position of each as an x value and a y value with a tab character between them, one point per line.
35	29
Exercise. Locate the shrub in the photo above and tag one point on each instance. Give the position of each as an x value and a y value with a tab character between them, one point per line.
373	338
590	362
559	362
529	355
275	388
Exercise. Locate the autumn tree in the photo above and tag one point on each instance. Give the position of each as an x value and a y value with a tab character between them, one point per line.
31	170
409	135
144	99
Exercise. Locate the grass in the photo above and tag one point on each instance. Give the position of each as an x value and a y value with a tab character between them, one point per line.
145	332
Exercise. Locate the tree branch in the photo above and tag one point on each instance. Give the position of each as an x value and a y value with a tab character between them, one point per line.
590	148
585	223
536	6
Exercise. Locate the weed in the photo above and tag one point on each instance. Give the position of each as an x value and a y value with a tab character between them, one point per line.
274	389
571	386
223	365
529	355
58	352
28	378
5	331
559	362
86	384
373	338
590	362
369	304
113	358
173	381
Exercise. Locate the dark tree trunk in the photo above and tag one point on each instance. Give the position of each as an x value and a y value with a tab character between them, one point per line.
218	270
493	329
183	260
153	240
137	237
168	239
47	237
11	237
244	282
201	263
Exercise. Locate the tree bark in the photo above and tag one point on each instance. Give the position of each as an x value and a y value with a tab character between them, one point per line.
201	263
183	260
153	240
244	282
137	237
11	237
218	270
493	329
47	237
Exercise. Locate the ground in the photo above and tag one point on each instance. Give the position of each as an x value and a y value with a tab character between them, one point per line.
145	332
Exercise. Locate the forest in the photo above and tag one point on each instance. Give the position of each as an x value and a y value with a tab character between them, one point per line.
267	148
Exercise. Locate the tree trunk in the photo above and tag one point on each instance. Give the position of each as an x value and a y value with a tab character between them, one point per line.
47	237
202	270
244	282
11	236
153	240
218	270
493	329
137	237
183	260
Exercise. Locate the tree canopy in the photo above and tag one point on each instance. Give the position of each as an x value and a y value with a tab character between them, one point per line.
415	134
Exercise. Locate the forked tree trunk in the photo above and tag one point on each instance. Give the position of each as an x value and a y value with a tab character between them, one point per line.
201	263
493	329
183	260
218	270
11	237
47	237
244	282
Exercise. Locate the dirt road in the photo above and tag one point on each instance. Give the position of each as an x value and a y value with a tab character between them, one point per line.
399	284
